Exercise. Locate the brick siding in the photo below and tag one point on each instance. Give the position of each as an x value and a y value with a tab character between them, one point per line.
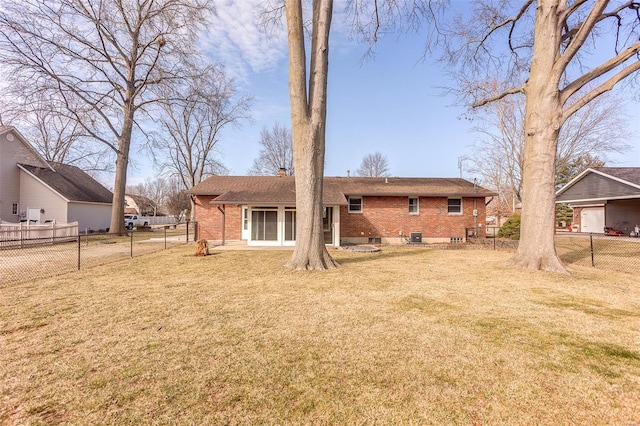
209	219
386	217
381	217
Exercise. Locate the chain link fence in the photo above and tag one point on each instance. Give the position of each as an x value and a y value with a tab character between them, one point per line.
600	251
613	253
29	259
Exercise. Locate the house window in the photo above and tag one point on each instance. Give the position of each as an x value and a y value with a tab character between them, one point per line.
245	218
454	206
264	225
14	209
290	224
413	205
355	204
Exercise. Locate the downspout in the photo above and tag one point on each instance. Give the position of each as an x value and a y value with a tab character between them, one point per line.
475	217
224	217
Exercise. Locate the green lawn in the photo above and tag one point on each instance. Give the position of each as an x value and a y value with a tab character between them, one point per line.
403	336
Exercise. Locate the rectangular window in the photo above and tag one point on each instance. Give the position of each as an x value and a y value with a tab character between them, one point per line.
454	206
413	205
355	204
245	218
289	225
14	209
264	225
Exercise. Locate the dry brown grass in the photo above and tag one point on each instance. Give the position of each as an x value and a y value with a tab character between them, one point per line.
609	253
404	336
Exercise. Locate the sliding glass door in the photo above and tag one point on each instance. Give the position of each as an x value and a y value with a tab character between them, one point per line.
264	225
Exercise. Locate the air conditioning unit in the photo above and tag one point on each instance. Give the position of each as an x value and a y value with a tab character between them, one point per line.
415	237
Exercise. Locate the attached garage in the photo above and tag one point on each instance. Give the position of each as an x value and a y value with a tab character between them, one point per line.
603	196
592	219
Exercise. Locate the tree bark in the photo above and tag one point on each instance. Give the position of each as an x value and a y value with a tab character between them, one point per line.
120	183
308	120
543	119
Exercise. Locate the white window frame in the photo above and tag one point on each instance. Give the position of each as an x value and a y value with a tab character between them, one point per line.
449	207
417	205
361	205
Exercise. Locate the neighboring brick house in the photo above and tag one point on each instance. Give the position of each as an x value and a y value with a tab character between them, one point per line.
603	197
261	209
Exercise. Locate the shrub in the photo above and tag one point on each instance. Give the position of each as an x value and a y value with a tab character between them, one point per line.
511	228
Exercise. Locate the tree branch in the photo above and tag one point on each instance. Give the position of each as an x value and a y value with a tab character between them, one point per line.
297	59
598	71
604	87
499	96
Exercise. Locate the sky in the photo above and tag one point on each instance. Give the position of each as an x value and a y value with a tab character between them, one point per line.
394	104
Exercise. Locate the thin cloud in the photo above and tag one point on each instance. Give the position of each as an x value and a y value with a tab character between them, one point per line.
237	39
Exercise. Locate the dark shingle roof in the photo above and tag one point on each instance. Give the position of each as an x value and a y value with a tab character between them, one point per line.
629	174
281	189
72	183
406	186
259	189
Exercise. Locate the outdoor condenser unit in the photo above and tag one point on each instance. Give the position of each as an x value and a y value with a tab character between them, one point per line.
415	237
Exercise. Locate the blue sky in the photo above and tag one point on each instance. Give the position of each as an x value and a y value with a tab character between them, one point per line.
393	104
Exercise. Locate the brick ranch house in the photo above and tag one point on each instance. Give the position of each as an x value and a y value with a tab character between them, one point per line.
260	210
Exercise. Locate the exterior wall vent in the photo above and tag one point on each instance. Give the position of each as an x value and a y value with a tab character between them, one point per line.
415	237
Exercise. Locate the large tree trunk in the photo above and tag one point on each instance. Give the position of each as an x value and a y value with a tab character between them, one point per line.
308	118
310	251
543	116
122	163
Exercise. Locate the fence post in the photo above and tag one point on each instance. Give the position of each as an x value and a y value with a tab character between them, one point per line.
132	243
79	239
165	237
187	231
494	238
593	263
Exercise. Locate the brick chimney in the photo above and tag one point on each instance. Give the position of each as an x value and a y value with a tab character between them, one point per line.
282	171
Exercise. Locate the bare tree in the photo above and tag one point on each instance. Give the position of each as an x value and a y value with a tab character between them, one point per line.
44	119
593	132
308	122
374	165
276	152
177	201
560	54
156	190
192	119
540	49
101	56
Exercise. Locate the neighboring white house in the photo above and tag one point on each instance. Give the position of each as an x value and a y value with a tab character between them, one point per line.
32	189
139	204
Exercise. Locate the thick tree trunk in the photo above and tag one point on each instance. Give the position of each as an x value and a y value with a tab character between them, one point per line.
310	251
543	116
122	163
308	118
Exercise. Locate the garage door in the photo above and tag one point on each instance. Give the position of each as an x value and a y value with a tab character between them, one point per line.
592	219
